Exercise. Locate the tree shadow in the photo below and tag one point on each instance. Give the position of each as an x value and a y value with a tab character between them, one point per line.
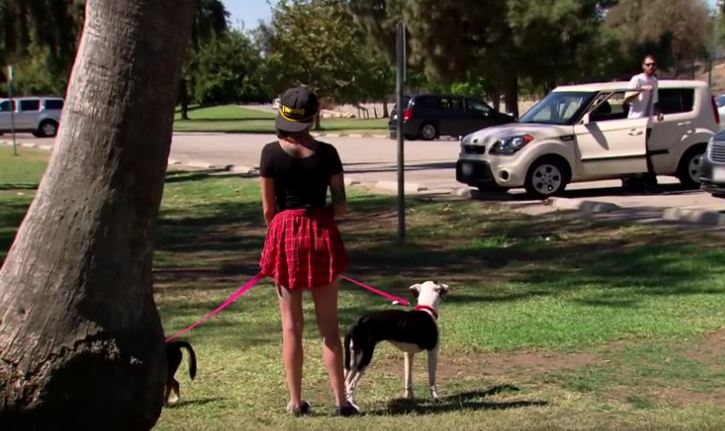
194	403
471	400
19	186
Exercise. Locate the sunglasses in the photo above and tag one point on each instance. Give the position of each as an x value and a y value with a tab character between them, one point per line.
650	64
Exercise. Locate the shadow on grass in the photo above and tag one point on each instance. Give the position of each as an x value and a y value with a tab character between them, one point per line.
194	403
463	401
19	186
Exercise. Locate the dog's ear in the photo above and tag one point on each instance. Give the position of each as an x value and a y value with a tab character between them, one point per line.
415	289
443	290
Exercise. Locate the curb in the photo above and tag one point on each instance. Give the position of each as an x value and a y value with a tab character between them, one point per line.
349	135
393	185
694	216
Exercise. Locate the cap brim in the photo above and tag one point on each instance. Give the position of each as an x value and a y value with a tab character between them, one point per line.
290	126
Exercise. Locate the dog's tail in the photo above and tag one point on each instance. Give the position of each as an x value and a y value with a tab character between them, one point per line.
192	356
347	352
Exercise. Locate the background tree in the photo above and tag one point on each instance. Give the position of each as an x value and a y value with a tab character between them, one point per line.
227	70
211	21
317	43
81	344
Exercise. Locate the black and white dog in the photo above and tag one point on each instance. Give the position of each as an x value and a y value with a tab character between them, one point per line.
410	331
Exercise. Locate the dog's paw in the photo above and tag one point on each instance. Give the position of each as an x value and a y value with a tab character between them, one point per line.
434	395
408	394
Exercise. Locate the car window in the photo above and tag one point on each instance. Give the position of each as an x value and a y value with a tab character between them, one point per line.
53	104
426	103
613	108
676	100
30	105
558	107
477	105
5	106
720	101
451	103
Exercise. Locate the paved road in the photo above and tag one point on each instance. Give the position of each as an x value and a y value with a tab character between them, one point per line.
429	165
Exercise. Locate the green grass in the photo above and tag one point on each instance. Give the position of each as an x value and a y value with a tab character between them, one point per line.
236	119
600	325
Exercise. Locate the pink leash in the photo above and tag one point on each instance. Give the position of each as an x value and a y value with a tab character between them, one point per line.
254	280
236	295
393	298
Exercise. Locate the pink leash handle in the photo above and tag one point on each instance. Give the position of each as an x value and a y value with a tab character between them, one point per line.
236	295
376	291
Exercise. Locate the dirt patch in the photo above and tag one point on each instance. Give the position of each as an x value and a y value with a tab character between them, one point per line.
711	351
515	364
683	397
493	365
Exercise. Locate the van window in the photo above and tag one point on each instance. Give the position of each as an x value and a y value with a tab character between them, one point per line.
53	105
452	105
676	100
30	105
426	102
478	106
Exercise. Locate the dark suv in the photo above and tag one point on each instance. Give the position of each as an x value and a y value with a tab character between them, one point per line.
428	116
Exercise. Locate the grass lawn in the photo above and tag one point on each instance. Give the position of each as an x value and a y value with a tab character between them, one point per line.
553	322
233	118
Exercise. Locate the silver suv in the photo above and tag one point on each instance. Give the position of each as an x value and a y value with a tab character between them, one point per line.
38	115
583	133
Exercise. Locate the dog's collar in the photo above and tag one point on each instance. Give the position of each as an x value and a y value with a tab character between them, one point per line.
427	308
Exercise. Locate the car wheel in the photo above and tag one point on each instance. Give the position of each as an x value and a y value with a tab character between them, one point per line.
546	177
48	129
428	132
689	169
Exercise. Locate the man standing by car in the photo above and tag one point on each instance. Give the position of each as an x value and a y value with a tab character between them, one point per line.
643	104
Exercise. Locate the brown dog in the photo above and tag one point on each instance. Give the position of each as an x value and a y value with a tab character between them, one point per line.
173	360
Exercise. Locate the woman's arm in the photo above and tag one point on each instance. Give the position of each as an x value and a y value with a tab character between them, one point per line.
269	206
337	190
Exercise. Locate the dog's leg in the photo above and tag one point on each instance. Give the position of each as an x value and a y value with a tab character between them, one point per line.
174	394
432	365
408	392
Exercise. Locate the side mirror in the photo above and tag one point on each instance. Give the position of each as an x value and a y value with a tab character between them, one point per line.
586	118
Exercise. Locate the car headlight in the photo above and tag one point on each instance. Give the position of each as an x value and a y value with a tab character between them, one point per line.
511	144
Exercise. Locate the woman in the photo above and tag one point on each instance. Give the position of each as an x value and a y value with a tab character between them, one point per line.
303	249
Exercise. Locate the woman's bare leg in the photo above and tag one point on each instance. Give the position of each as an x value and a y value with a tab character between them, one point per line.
290	308
325	298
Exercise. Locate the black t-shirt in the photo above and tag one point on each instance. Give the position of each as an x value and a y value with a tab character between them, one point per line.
300	182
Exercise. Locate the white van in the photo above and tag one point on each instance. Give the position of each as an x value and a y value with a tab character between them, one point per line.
582	133
38	115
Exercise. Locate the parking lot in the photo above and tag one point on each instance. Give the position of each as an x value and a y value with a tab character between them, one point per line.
430	169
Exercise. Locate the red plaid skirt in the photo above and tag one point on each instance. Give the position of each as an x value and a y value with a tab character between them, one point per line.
303	249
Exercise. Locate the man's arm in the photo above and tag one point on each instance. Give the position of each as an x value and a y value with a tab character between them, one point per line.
339	199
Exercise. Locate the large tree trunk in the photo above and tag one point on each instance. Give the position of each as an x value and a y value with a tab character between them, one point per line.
81	344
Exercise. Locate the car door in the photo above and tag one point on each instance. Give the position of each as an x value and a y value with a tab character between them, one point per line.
608	144
452	116
5	115
478	116
27	115
676	105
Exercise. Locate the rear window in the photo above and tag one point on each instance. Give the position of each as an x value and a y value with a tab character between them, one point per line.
30	105
676	100
54	105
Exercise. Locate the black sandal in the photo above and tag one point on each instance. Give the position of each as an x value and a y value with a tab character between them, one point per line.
302	410
349	409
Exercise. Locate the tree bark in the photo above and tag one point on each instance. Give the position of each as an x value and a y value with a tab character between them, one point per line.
81	343
184	99
386	114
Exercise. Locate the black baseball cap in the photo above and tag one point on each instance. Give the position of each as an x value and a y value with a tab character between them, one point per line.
297	109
